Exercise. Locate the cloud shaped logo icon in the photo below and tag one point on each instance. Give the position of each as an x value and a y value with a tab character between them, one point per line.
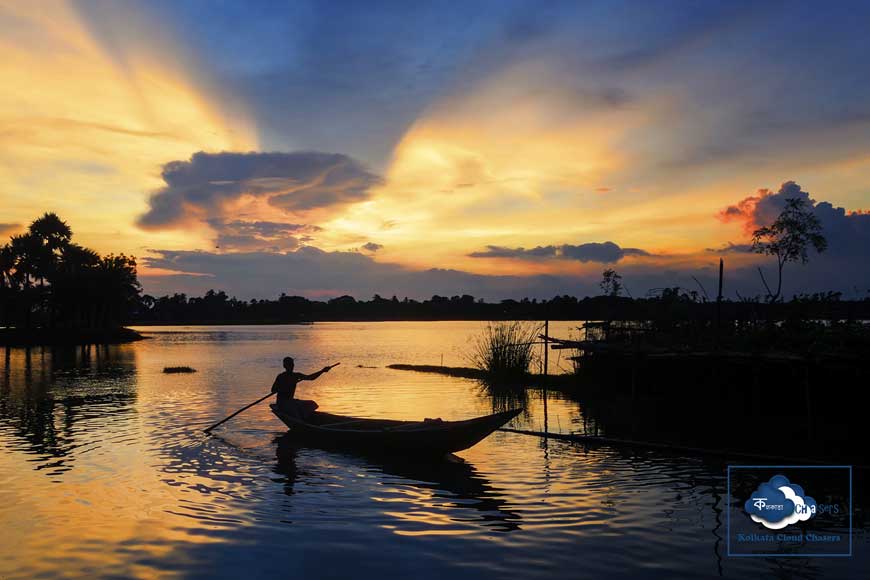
778	503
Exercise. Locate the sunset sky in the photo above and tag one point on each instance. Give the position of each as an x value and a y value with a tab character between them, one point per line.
501	149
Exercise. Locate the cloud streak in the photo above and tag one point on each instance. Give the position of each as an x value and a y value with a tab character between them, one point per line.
312	272
238	235
603	252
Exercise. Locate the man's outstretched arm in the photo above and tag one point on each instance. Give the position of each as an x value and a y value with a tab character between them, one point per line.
313	376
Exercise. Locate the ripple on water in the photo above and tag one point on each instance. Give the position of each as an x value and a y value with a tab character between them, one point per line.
105	472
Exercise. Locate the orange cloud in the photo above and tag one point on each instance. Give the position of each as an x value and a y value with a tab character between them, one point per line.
744	210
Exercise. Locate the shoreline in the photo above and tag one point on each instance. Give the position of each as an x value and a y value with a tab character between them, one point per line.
564	380
15	337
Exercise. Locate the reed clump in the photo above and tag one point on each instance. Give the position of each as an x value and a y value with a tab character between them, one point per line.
505	351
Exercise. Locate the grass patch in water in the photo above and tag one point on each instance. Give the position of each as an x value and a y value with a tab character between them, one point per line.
505	351
174	370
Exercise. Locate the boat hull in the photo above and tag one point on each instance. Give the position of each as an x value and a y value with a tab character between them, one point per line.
388	436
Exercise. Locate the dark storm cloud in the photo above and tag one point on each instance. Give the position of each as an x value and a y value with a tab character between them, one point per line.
843	266
372	247
604	252
294	182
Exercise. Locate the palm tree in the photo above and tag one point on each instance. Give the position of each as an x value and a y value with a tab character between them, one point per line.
52	235
26	249
52	230
73	282
27	259
118	287
7	267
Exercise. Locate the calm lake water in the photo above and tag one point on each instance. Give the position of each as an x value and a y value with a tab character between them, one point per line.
104	471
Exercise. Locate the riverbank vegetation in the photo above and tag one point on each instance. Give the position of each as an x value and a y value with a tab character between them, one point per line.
674	303
562	381
54	291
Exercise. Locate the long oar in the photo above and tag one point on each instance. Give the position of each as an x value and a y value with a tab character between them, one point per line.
246	407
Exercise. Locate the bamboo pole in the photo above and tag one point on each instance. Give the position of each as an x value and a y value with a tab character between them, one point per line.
719	302
245	408
546	367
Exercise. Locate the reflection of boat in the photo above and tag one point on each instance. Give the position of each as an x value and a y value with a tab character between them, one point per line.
427	437
457	484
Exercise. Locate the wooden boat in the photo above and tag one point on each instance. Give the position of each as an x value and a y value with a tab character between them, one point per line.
428	437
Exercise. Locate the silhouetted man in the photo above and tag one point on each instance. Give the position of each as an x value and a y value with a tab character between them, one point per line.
285	386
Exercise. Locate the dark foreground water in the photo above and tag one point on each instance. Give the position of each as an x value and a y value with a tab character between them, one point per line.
104	472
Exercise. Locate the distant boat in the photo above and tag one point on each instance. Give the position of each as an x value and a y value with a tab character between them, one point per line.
427	437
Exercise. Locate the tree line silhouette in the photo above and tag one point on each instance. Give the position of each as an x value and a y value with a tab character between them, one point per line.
216	307
48	281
